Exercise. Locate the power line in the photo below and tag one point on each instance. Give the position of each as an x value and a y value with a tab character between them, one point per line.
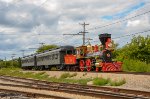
81	33
101	26
119	21
129	34
132	34
107	25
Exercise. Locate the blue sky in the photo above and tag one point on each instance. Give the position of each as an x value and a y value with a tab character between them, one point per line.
125	12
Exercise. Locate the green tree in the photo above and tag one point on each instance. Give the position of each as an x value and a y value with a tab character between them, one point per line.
115	51
138	49
46	47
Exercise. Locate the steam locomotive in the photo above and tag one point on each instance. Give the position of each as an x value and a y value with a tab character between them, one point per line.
83	58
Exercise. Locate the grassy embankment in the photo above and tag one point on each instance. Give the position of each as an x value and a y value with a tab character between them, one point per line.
135	66
65	78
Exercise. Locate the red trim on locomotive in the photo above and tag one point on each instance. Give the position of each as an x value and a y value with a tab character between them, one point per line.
70	59
82	64
107	43
88	64
112	66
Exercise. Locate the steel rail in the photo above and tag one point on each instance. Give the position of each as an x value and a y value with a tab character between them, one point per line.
129	91
99	94
30	94
81	89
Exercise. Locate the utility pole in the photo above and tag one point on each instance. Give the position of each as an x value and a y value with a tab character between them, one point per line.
5	61
81	33
13	55
22	52
42	44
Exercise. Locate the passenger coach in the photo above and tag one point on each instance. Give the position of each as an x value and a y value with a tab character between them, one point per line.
47	59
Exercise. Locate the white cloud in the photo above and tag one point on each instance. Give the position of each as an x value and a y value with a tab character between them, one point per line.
8	1
19	16
133	23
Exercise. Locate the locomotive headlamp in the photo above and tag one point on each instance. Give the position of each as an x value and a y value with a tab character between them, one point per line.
108	55
110	44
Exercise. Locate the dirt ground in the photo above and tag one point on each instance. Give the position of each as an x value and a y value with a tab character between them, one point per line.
135	82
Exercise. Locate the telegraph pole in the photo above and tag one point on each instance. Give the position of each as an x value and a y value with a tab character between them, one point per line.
42	44
5	61
22	52
81	33
13	55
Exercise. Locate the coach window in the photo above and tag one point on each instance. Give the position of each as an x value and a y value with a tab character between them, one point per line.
37	59
56	56
69	52
46	57
50	57
26	61
42	58
53	56
23	61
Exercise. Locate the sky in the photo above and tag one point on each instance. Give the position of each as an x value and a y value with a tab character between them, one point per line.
26	23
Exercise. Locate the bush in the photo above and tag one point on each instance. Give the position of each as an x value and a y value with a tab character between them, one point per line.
100	81
73	75
83	81
65	75
135	66
117	83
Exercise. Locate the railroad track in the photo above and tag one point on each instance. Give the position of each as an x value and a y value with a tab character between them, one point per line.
4	94
134	73
103	92
14	94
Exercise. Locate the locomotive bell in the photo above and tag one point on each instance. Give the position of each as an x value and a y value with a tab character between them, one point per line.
103	38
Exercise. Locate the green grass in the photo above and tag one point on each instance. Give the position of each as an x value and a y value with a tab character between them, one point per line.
64	78
84	74
67	75
102	82
73	75
117	83
130	65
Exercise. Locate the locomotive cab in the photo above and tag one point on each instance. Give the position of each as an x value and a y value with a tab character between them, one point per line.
70	58
70	52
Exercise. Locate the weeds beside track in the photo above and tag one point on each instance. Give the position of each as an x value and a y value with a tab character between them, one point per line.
77	89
